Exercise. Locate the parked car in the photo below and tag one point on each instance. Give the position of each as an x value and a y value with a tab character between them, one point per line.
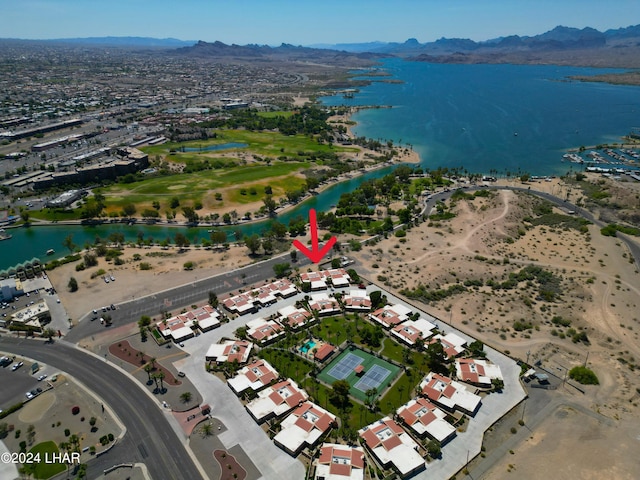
17	366
42	377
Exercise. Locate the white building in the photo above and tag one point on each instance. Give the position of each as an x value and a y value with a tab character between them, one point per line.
390	316
264	331
424	418
229	351
276	400
393	447
340	462
411	330
254	376
477	372
304	428
449	394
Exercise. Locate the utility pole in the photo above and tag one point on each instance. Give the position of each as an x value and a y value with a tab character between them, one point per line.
586	358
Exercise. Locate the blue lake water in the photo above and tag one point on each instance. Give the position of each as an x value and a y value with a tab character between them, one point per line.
469	115
453	115
215	148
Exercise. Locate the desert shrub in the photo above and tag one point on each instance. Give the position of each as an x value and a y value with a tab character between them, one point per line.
583	375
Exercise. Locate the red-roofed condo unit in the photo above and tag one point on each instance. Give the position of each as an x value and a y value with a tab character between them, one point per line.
276	400
340	462
393	447
254	376
424	418
304	428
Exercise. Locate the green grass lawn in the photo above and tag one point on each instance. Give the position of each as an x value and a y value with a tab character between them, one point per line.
279	113
200	186
273	144
46	470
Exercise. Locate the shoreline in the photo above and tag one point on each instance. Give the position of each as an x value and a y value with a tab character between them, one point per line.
406	155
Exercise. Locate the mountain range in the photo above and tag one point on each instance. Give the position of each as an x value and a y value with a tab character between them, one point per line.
561	45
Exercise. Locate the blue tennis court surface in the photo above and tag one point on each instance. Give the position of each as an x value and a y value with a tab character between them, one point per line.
345	366
373	378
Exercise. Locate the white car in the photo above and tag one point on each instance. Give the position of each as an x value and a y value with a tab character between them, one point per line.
29	395
42	377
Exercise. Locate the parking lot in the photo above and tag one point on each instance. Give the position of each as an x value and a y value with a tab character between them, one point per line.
15	384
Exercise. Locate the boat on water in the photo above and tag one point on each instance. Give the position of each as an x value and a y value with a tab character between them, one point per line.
51	251
4	235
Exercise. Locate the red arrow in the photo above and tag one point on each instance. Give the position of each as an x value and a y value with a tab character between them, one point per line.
315	254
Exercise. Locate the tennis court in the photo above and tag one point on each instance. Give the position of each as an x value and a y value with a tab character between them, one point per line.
373	378
378	373
345	366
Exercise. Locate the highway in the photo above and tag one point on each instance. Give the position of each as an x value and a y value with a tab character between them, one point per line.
149	438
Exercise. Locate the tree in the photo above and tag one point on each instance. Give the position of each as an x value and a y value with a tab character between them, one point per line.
218	237
207	430
186	397
436	357
339	395
279	230
25	215
213	299
68	243
174	203
477	349
583	375
270	204
371	395
312	183
72	285
160	376
434	448
498	384
281	269
253	243
148	368
90	260
129	210
190	214
241	333
181	240
49	333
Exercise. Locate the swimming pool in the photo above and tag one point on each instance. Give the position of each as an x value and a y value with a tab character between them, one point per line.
307	346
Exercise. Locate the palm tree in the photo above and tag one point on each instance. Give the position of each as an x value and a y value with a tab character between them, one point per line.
186	397
148	368
207	429
160	375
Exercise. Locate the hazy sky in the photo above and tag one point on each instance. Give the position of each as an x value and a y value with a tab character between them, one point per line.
303	22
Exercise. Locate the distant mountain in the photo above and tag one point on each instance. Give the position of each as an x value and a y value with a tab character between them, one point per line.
284	52
563	45
136	42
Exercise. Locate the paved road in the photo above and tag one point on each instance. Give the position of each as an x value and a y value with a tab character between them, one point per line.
182	296
149	438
